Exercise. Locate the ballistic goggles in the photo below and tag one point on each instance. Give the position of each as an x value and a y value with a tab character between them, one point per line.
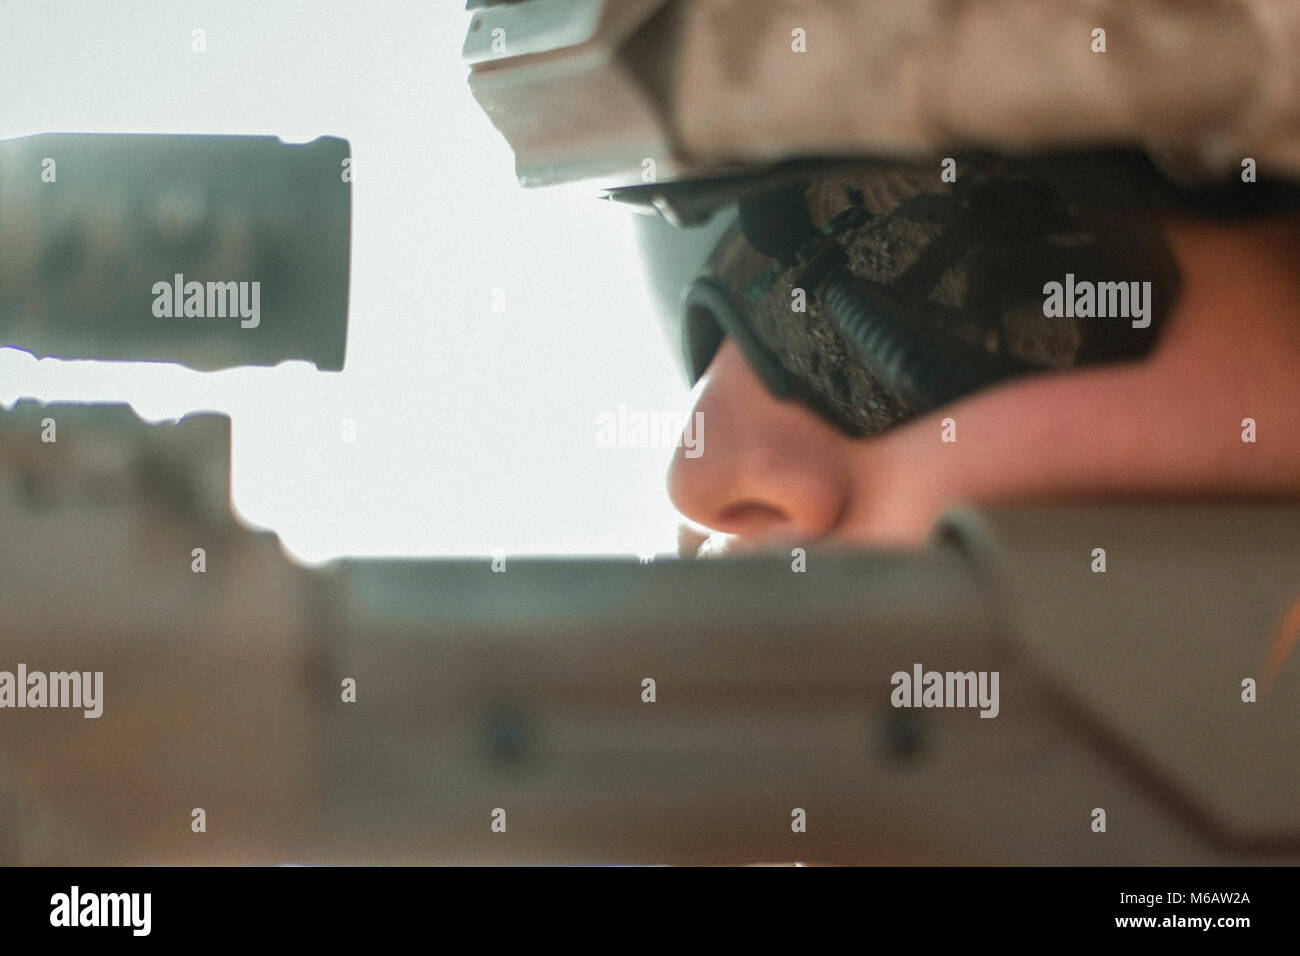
878	292
875	291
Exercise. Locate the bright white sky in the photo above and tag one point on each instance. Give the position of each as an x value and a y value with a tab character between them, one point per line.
476	431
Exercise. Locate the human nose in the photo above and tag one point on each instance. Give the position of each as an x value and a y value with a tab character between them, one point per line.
766	468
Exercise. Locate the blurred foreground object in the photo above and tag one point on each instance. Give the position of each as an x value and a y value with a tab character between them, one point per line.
91	223
523	690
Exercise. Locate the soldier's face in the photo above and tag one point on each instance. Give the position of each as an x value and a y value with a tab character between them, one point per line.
1172	426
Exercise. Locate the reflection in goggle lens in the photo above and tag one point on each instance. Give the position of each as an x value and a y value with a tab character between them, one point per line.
876	293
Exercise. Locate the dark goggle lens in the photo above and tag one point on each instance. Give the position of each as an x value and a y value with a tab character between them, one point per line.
875	295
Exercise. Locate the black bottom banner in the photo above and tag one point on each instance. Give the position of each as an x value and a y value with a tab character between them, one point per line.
341	904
